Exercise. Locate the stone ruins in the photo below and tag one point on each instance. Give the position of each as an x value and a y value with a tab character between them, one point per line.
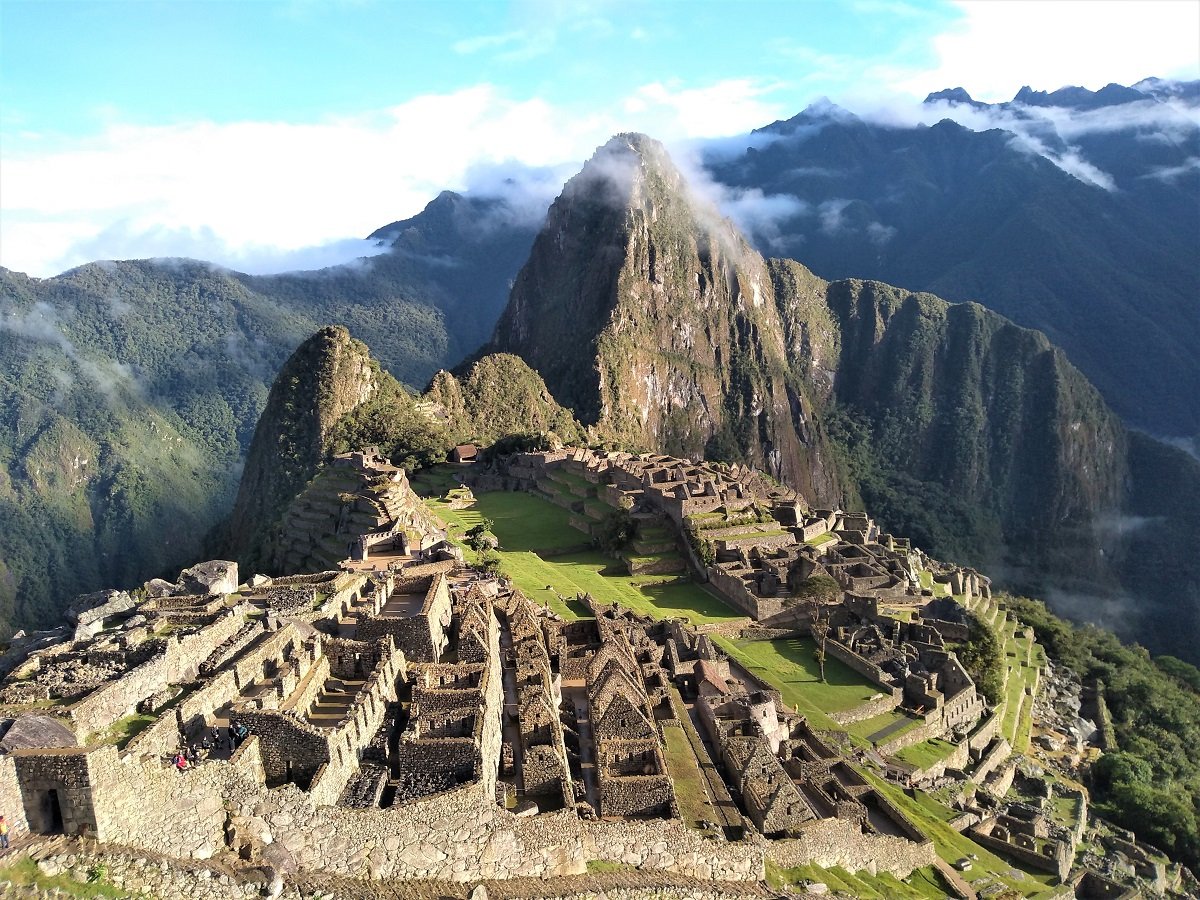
402	715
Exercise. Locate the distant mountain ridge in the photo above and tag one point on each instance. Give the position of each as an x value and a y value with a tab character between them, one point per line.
1085	229
646	313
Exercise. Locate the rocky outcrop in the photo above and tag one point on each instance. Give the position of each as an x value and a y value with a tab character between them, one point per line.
497	396
648	314
327	377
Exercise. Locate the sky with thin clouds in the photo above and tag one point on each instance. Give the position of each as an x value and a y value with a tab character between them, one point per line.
276	135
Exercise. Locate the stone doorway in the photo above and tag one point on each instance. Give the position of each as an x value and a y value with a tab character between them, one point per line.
48	817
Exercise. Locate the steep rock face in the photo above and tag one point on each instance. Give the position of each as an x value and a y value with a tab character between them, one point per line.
328	376
649	315
497	396
987	414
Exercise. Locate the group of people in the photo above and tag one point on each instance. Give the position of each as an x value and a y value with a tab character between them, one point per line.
187	757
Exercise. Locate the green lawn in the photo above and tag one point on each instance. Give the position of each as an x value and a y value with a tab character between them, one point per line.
25	873
926	753
527	525
686	777
922	883
788	664
522	522
1018	710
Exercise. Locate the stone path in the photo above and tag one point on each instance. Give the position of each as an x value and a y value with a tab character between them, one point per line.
884	733
577	697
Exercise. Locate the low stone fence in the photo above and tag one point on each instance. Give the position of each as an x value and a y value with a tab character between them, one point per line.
111	701
1057	861
178	663
464	836
876	706
159	740
985	731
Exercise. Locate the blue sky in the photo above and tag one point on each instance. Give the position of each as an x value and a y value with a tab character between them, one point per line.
247	131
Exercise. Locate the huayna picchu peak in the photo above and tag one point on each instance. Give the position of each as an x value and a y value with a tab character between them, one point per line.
648	314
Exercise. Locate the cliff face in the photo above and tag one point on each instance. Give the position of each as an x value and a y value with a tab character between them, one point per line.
649	315
953	408
328	376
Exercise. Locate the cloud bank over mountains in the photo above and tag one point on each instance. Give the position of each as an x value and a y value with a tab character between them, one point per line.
263	198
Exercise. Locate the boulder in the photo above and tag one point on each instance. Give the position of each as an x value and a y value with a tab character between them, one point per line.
217	576
279	858
37	732
92	608
159	587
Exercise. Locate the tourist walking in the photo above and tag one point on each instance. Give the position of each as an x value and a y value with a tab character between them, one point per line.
3	833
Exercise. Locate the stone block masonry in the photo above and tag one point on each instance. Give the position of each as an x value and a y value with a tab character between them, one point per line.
842	842
464	836
12	804
178	663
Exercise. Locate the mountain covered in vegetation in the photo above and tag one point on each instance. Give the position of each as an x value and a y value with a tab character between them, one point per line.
649	315
329	376
130	390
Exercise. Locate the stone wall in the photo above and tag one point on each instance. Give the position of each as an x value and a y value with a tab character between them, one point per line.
12	806
876	706
999	752
116	699
57	790
672	846
292	750
146	803
185	653
160	739
464	836
636	795
309	687
178	663
739	595
985	731
840	842
1057	862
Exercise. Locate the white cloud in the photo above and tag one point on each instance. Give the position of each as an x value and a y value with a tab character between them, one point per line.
1170	173
1000	45
737	104
257	190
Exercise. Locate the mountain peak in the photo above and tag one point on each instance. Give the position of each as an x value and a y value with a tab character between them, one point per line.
647	313
328	375
953	95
